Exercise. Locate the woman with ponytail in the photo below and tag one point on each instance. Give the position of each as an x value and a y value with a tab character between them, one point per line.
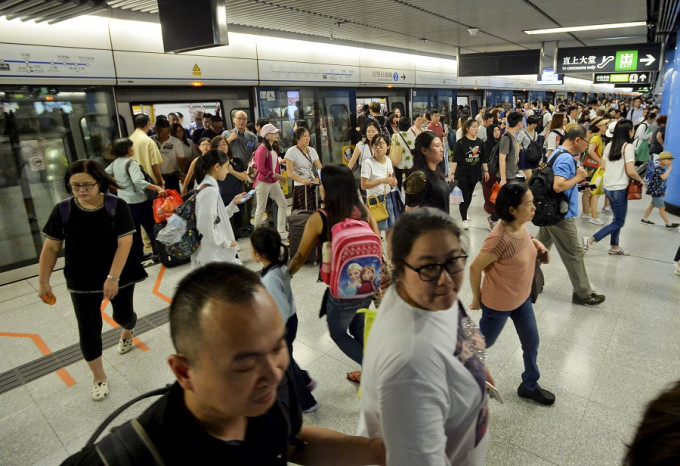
268	249
218	243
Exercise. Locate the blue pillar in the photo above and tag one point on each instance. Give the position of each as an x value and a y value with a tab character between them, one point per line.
666	72
672	141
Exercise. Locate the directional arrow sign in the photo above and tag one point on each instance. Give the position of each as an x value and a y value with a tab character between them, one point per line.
608	59
403	77
649	60
640	77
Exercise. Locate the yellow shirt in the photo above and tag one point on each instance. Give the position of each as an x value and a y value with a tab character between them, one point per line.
146	152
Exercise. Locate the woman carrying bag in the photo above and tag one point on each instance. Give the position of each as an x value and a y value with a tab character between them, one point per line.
377	178
619	170
301	159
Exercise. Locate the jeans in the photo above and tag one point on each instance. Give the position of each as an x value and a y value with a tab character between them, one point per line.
492	323
619	203
342	316
300	378
390	220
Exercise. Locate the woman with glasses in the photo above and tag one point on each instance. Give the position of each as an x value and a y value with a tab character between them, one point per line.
97	229
203	147
508	258
424	382
232	184
377	178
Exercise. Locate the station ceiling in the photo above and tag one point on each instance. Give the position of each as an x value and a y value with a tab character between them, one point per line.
432	26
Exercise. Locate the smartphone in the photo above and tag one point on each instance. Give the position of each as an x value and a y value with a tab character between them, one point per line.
493	392
248	196
543	257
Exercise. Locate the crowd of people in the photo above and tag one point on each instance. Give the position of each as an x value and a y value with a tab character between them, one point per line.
424	362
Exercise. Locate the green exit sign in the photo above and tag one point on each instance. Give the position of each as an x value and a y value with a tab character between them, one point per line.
626	60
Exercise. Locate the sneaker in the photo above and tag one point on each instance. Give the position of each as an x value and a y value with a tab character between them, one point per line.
100	391
607	210
676	268
312	385
125	345
646	222
591	300
586	243
311	409
596	221
539	395
466	225
618	252
584	215
671	226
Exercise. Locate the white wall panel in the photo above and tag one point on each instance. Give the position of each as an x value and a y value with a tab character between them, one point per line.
83	32
135	68
287	73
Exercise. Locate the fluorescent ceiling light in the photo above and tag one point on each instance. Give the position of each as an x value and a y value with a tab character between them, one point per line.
592	27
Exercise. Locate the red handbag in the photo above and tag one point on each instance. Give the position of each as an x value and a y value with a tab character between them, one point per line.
634	190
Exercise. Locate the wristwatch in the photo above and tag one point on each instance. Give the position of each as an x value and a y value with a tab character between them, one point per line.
113	277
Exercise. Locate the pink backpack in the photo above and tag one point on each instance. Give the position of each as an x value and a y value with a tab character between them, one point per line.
351	263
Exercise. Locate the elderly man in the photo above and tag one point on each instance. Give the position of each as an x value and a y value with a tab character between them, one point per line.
232	402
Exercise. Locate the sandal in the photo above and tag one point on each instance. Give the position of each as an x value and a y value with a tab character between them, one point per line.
586	243
100	390
125	344
618	252
354	377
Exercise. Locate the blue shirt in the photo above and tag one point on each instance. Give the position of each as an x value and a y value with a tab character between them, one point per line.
565	167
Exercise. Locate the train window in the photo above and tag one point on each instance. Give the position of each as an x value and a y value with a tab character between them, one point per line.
326	112
42	131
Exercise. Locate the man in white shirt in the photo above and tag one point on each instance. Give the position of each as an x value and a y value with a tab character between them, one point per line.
636	114
171	150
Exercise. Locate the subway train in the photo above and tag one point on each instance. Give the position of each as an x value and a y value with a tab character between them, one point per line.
67	90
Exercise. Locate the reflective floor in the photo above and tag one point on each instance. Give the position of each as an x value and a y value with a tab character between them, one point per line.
602	363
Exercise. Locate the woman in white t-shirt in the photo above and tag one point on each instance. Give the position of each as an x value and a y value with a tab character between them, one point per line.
619	169
300	162
555	134
363	151
377	178
424	381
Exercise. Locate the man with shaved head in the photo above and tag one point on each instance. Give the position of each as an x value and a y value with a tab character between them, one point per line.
232	402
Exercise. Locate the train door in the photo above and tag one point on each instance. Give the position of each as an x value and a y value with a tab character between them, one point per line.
42	131
326	111
390	99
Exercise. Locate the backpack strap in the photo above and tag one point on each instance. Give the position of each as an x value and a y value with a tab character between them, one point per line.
129	445
110	204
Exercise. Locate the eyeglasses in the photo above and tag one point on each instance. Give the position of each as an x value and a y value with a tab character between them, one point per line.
380	144
78	186
431	272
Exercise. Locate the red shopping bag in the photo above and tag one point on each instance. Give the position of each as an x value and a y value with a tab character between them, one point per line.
164	207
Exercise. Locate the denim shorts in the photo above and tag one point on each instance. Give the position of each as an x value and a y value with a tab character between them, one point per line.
658	202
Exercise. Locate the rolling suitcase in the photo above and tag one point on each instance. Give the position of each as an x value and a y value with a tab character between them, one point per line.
296	226
165	259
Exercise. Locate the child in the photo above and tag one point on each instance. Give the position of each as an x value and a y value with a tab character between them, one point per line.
268	249
657	189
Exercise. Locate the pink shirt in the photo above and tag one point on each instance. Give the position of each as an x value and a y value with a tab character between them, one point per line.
507	281
267	163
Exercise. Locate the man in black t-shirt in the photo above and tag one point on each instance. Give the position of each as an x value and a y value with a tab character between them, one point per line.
231	403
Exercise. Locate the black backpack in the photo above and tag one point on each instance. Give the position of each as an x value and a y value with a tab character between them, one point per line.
534	152
551	207
492	163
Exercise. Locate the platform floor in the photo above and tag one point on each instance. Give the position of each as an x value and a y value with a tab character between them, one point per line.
603	363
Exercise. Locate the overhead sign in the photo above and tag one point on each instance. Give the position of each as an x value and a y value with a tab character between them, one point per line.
638	57
388	76
642	78
517	62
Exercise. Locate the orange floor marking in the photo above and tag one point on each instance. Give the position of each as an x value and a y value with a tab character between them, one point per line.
109	320
157	286
45	350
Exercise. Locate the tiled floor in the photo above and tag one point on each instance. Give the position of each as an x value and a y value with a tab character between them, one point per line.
603	363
